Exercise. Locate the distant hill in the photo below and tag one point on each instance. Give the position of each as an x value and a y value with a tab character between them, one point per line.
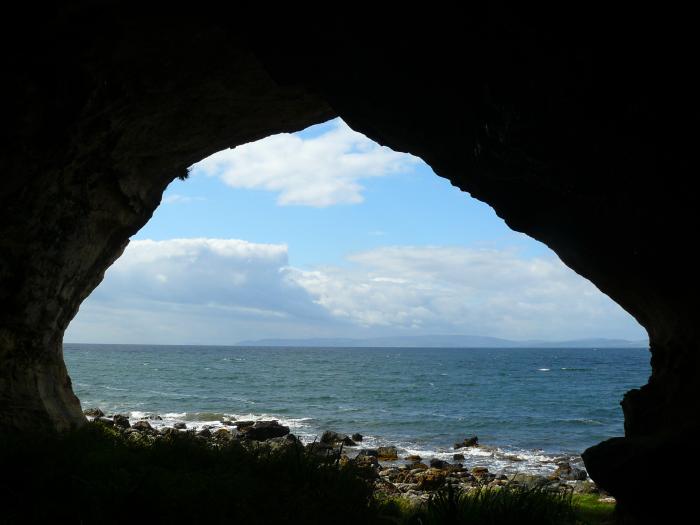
445	341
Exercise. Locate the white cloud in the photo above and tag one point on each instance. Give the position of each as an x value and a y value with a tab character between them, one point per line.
194	290
472	291
220	291
319	171
180	199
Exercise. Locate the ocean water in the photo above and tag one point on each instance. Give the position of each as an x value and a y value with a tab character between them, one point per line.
529	407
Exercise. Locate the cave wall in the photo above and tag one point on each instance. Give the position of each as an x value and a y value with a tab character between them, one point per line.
579	133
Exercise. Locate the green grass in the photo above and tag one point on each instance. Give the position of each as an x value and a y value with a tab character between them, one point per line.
591	511
507	505
97	475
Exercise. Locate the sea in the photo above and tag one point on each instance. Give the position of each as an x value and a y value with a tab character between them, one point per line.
531	408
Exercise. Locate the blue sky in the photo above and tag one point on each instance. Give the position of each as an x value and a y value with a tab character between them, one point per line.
324	233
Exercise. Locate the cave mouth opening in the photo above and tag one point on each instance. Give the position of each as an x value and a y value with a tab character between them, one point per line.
323	239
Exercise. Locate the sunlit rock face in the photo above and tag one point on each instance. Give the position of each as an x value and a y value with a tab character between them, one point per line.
580	133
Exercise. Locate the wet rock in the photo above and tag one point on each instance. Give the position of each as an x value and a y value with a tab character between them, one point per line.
387	453
205	433
356	437
383	486
105	421
364	460
458	457
468	442
320	449
438	464
121	421
243	424
168	432
431	479
262	430
93	412
228	422
222	434
566	472
413	458
529	480
180	425
368	452
282	442
480	472
334	438
142	426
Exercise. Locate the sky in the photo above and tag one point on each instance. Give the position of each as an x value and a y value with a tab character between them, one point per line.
324	233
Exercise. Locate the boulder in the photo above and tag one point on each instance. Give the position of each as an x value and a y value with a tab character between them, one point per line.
222	434
142	426
283	442
387	453
458	457
243	424
363	460
334	438
94	412
262	430
121	421
319	448
431	479
438	464
356	437
105	421
180	426
468	442
205	433
480	472
413	458
568	473
529	480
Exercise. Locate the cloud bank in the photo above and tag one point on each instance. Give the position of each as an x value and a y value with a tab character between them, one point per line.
220	291
319	171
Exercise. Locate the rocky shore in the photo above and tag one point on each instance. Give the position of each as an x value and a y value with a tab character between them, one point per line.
410	476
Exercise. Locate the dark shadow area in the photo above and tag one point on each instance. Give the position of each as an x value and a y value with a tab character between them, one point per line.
100	474
579	128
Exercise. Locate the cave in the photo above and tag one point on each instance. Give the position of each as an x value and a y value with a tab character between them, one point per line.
579	133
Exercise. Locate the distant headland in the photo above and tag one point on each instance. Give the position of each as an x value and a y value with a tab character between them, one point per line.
445	341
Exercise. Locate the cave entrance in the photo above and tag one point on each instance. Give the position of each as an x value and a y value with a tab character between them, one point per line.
324	240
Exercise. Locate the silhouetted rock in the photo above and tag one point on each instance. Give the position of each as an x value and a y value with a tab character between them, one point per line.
334	438
438	463
356	437
94	412
262	430
121	421
142	426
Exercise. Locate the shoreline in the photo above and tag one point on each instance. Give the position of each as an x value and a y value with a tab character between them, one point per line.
394	471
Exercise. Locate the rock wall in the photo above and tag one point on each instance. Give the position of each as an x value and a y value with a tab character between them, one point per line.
579	133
